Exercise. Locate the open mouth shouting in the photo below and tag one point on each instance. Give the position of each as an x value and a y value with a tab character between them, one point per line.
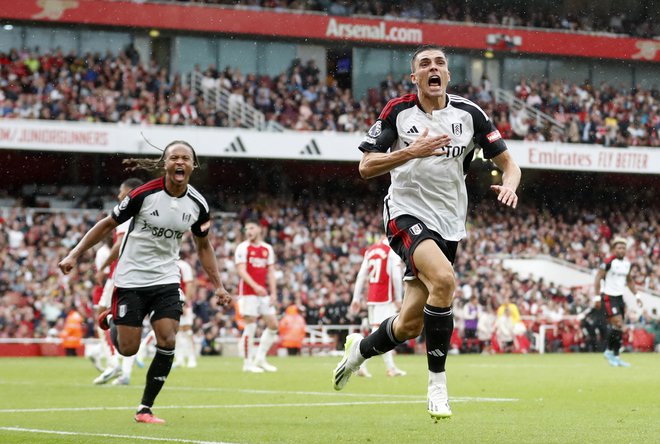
435	82
179	174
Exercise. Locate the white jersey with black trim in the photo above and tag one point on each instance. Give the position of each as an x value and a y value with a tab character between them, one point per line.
150	248
616	275
432	189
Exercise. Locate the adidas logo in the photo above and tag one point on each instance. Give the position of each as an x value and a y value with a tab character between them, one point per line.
311	149
154	213
413	130
236	147
437	353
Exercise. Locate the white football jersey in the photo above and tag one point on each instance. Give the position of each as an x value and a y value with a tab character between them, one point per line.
616	275
432	189
150	247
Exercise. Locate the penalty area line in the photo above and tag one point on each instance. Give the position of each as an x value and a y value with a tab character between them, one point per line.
107	435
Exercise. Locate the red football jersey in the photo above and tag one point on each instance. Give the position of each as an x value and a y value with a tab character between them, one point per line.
257	258
380	283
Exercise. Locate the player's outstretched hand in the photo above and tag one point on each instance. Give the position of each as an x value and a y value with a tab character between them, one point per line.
426	146
505	195
223	296
67	264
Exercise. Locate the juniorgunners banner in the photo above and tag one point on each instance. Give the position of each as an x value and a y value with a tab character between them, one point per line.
321	146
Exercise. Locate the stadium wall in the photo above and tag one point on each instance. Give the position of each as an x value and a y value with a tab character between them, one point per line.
100	138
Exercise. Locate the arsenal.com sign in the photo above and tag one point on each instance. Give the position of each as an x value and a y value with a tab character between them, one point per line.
379	32
224	21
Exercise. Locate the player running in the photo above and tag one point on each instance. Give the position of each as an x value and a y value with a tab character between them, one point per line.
381	270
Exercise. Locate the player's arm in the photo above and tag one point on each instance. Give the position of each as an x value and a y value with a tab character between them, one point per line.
631	283
191	287
359	286
599	277
272	283
396	277
95	235
506	193
241	268
490	140
207	259
378	163
114	254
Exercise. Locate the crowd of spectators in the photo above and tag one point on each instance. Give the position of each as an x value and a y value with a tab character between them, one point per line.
118	88
319	246
502	13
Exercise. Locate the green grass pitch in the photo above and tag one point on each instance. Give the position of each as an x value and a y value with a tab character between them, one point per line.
561	398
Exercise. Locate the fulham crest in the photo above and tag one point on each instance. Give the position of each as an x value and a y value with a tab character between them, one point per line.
457	129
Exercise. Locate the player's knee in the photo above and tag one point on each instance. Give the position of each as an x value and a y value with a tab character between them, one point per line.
167	340
408	329
443	285
128	349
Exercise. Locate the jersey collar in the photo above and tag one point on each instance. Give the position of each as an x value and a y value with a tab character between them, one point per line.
434	112
170	194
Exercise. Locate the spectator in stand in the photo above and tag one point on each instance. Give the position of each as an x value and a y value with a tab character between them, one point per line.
471	311
33	295
504	331
210	344
486	329
511	308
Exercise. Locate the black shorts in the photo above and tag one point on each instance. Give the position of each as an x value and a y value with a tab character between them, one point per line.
405	233
613	305
131	305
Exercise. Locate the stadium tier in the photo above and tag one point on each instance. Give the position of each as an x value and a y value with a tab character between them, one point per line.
111	88
294	87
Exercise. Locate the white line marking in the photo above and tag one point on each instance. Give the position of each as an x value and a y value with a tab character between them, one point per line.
250	406
266	392
107	435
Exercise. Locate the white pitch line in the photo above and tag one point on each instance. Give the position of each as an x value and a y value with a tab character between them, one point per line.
249	406
108	435
278	392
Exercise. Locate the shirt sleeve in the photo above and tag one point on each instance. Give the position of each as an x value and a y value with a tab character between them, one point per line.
271	255
380	137
201	227
127	208
240	255
487	136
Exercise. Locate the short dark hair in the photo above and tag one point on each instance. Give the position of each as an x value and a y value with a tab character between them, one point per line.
422	49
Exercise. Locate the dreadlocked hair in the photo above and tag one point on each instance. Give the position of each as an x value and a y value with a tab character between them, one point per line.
135	163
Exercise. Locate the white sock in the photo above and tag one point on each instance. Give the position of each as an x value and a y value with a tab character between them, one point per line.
388	358
437	378
247	341
127	366
267	338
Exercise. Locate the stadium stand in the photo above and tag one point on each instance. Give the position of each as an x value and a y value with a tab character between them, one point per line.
634	21
319	235
319	245
119	88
